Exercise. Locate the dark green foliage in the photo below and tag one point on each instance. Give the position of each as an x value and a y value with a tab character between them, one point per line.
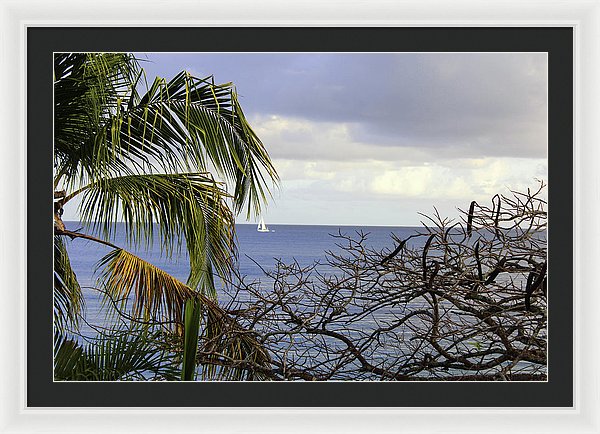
68	299
119	354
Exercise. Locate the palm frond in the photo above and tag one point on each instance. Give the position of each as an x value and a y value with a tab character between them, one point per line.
189	123
155	294
120	354
88	90
189	205
67	298
185	124
190	342
67	359
227	350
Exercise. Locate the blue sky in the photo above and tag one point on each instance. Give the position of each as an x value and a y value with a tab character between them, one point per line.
376	138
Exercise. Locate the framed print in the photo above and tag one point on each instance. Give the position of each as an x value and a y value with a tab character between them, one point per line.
358	317
504	103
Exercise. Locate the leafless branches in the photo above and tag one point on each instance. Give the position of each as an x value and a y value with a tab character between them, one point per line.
459	300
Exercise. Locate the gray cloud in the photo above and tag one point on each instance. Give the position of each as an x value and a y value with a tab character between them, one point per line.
473	103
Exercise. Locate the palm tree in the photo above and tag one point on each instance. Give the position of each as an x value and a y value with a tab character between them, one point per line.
178	161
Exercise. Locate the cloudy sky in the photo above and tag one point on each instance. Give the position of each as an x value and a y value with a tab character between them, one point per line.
375	138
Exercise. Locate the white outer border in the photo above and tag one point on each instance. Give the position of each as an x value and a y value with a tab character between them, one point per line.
16	15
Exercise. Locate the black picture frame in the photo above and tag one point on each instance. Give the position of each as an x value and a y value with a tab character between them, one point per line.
43	41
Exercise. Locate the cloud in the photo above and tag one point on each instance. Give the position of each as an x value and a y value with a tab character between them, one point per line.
386	193
471	103
477	179
408	181
302	139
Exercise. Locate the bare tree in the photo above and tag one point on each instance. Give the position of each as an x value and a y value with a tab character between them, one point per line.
462	300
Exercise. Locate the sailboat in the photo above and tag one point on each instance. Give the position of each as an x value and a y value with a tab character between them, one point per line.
262	227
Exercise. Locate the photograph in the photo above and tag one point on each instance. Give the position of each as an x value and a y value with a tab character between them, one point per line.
300	216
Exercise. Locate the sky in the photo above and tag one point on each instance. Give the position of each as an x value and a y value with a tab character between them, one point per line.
374	139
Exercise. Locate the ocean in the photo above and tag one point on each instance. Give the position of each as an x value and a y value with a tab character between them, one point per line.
303	244
300	244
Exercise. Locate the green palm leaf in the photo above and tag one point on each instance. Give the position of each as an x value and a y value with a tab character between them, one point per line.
191	124
122	353
179	207
87	90
193	309
187	124
68	299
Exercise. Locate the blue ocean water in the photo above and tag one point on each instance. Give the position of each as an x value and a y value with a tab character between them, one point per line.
304	244
301	244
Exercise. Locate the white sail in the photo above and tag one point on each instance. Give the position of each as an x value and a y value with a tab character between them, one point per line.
262	227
